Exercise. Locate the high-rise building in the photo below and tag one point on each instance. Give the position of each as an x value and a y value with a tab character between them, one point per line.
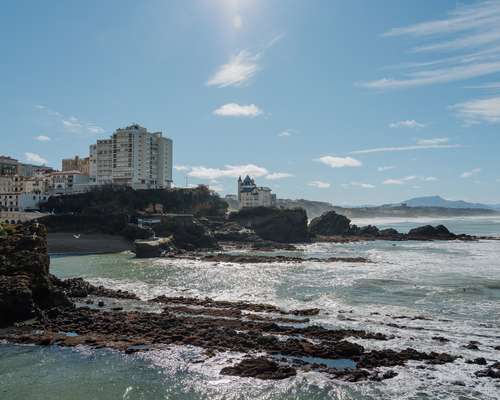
133	157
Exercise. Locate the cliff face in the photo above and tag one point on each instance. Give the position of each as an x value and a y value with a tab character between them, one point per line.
278	225
25	284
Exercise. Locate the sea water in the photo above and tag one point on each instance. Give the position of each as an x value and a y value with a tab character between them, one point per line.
453	288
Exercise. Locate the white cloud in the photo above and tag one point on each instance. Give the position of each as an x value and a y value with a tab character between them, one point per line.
432	141
237	21
42	138
95	129
475	26
491	85
479	110
409	123
285	134
232	171
181	168
278	175
35	158
385	168
319	184
407	148
470	173
393	182
339	162
238	71
402	181
359	184
236	110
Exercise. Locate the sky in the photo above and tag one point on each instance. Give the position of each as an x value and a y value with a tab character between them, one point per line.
351	102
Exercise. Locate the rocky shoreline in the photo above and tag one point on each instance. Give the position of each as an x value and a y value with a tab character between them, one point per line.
276	343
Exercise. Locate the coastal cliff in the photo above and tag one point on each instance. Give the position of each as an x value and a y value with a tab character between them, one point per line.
26	288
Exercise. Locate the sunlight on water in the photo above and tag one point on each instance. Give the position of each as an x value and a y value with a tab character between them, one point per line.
452	287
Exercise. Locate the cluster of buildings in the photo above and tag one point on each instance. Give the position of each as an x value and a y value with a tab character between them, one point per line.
132	156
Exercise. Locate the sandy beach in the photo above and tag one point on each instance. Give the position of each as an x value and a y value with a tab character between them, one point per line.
95	243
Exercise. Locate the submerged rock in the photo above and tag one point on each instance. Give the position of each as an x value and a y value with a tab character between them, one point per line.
152	248
260	368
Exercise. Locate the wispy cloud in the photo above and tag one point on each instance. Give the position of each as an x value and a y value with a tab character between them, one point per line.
71	124
490	85
241	67
42	138
359	184
410	178
237	110
468	174
423	144
319	184
409	123
339	162
432	141
278	175
231	171
385	168
474	27
237	22
287	133
479	110
181	168
35	158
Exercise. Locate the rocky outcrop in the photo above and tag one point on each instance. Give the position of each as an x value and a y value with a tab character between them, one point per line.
279	225
26	289
153	248
431	232
330	224
260	368
186	231
79	288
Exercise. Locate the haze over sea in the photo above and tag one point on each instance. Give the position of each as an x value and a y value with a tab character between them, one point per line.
454	285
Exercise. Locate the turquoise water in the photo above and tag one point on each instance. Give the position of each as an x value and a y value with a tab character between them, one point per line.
455	285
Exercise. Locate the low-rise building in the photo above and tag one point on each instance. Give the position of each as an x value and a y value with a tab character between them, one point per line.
21	201
251	195
68	182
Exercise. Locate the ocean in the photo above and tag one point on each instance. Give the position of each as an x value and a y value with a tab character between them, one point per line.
454	286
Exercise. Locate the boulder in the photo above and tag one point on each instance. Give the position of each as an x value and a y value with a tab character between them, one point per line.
186	231
26	288
152	248
430	232
260	368
278	225
234	232
330	224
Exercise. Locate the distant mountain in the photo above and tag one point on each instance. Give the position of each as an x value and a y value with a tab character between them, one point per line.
438	201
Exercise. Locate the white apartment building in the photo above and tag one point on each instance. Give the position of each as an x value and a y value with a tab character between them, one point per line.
133	157
101	162
251	195
68	182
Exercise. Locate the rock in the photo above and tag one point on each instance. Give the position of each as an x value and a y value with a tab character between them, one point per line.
26	288
388	232
278	225
186	232
330	224
79	288
234	232
100	303
429	232
368	230
472	346
478	361
348	349
260	368
152	248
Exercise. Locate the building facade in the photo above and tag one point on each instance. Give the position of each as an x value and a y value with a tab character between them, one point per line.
251	195
76	164
133	157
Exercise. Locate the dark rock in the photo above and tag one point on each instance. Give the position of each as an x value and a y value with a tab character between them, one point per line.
388	232
472	346
330	224
100	303
152	248
260	368
478	361
368	230
25	285
278	225
429	232
79	288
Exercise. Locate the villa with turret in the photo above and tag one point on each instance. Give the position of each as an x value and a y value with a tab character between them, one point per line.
251	195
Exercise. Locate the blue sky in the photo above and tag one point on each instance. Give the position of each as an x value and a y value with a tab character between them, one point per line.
342	101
